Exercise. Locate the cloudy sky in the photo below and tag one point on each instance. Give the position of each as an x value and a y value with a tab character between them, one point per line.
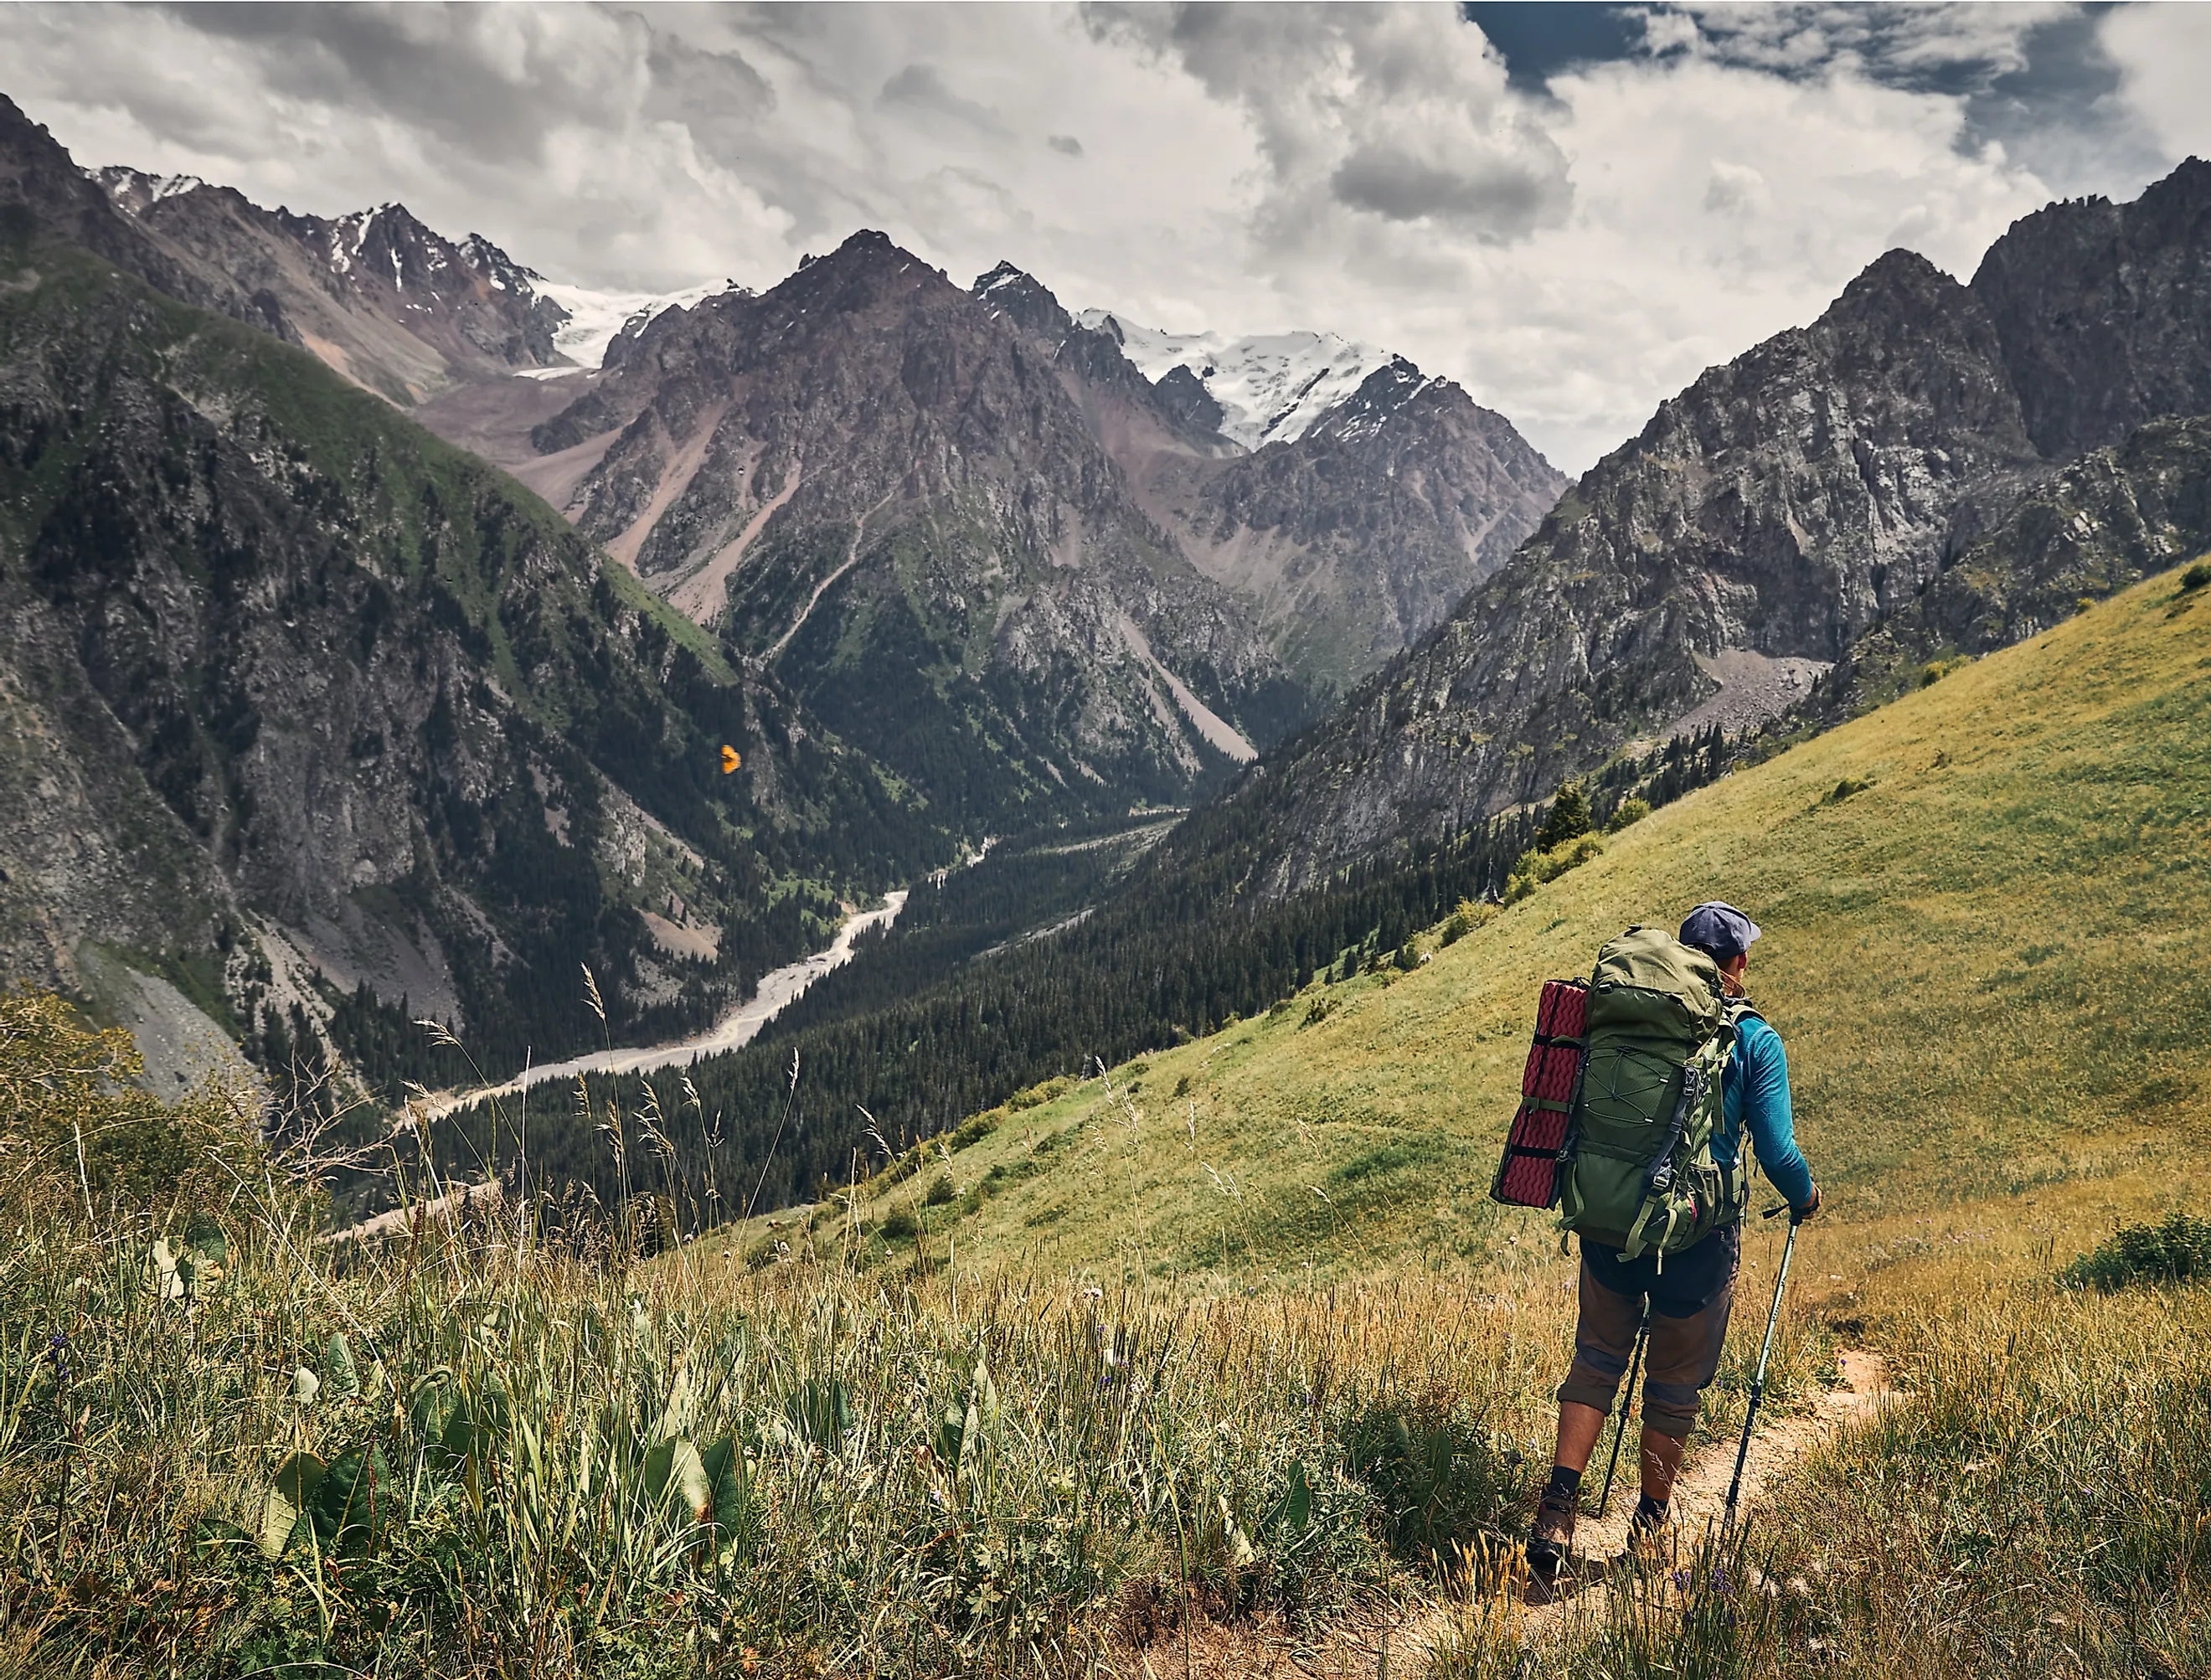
1571	211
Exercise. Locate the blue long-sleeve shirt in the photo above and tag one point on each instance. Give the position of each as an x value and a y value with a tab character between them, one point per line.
1755	1087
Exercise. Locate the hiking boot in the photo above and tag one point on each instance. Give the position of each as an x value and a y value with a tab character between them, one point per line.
1551	1537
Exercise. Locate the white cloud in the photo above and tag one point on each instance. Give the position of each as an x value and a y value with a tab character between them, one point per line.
2164	54
1572	255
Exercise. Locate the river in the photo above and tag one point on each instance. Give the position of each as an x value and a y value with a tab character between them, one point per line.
738	1027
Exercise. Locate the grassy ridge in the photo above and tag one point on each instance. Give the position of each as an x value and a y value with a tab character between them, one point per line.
1983	962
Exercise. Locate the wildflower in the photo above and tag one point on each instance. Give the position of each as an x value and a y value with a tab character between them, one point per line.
57	1351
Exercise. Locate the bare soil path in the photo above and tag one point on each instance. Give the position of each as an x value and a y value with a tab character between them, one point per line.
1403	1648
1700	1494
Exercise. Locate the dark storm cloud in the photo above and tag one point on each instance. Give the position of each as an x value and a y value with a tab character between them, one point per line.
1497	202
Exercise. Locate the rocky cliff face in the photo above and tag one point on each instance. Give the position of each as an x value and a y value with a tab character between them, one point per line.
1351	538
1769	517
875	485
2114	517
385	301
2104	311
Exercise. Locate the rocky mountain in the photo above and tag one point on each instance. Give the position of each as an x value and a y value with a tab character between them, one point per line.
873	486
388	303
1269	387
1374	497
1310	505
385	301
1767	518
2115	516
328	721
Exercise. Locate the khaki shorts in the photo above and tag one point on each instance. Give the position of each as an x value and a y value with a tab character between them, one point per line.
1690	1302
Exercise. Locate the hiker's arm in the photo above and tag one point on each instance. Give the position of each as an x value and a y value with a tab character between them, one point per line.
1767	1114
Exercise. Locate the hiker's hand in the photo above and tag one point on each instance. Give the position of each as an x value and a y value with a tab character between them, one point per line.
1803	1211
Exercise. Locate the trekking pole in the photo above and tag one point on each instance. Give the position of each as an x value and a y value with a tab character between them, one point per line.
1626	1398
1765	1353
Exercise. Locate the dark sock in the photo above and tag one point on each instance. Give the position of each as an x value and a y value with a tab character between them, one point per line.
1650	1512
1565	1483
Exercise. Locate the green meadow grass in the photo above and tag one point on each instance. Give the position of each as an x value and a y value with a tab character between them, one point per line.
1987	964
1226	1352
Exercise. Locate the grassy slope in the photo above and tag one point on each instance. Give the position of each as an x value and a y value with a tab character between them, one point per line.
1985	966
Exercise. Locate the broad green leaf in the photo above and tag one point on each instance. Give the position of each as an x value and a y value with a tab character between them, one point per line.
338	1368
736	1515
203	1234
821	1411
290	1491
675	1474
352	1502
1297	1504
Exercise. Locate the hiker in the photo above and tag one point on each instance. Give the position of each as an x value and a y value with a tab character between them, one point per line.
1689	1291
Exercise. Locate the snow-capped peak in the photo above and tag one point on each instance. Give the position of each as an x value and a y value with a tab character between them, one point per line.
1271	387
597	319
134	189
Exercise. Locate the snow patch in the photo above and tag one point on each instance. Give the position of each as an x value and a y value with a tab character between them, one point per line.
1272	387
597	319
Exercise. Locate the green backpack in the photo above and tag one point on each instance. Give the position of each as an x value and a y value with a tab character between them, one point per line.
1640	1176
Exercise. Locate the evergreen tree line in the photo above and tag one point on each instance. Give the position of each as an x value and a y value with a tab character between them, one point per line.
953	1012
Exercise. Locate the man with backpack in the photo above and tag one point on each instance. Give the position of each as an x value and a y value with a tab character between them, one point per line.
1653	1179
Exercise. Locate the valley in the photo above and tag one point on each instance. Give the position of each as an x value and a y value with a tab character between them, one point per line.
822	977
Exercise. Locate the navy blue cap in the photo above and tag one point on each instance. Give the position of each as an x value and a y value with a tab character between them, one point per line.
1721	929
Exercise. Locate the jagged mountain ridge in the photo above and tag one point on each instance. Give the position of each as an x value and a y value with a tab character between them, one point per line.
289	684
1778	510
383	299
870	484
1338	553
1351	531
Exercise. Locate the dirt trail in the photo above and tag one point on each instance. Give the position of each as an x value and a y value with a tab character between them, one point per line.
1355	1651
1701	1492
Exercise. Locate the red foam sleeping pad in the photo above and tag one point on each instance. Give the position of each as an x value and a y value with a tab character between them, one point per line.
1527	1176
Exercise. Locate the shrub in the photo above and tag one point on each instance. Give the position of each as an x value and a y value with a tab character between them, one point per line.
1847	788
975	1131
1322	1007
1463	921
1567	820
1936	669
1630	812
899	1224
1538	867
66	1089
1440	1475
2196	577
2170	1253
941	1191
